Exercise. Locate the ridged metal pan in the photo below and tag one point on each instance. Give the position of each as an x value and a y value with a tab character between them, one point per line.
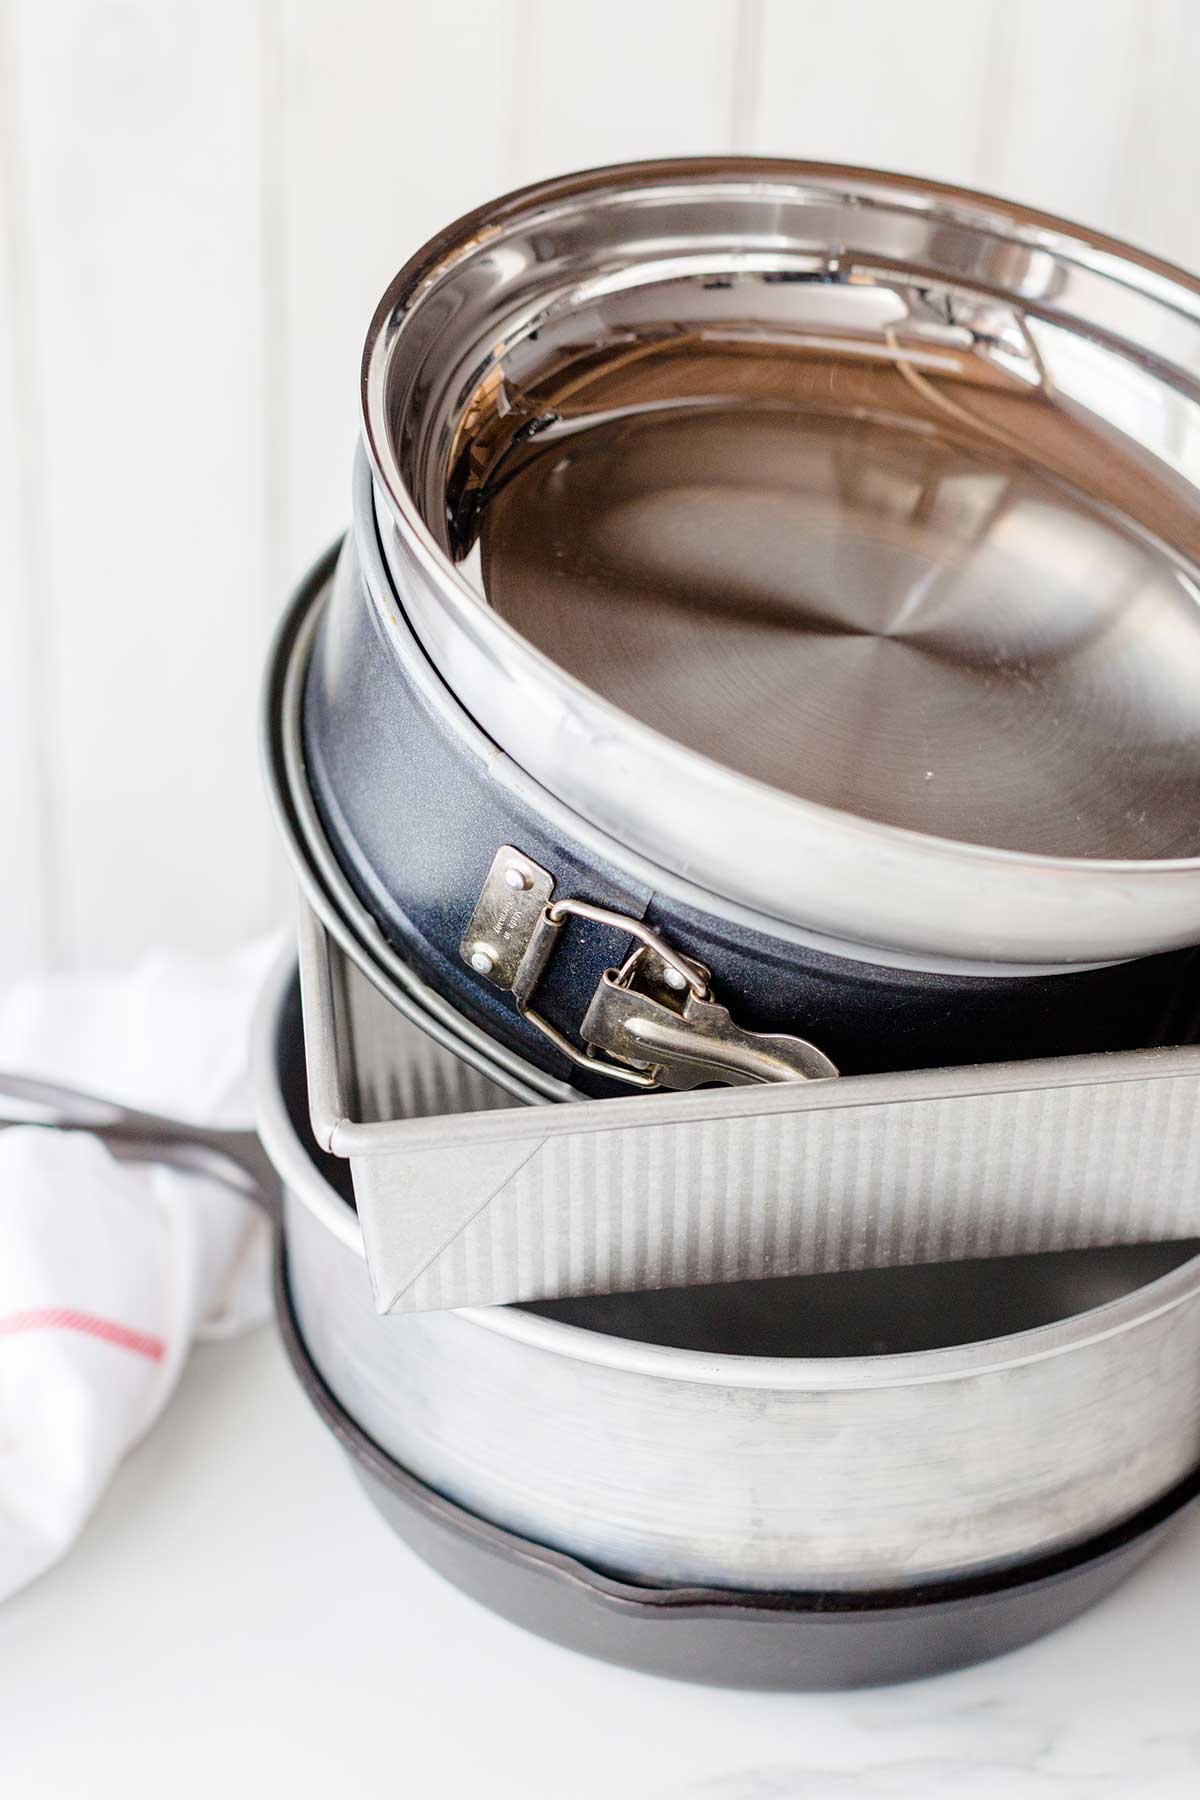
669	1190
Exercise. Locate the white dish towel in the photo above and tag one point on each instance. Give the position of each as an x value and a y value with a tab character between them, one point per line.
109	1270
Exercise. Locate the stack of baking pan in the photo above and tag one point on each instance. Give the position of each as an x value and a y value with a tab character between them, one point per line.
755	705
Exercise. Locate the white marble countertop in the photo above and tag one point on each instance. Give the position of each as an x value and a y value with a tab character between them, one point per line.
238	1622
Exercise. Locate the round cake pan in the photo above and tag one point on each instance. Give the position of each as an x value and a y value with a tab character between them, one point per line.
405	802
826	537
853	1435
720	1636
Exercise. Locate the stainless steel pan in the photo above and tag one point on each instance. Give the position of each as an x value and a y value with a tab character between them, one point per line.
964	722
647	1435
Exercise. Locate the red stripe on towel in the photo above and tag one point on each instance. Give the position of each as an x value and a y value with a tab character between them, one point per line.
62	1318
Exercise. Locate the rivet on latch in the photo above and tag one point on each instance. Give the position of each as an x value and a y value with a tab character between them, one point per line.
516	878
673	978
483	959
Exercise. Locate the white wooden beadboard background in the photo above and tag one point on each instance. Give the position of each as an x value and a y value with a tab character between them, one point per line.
201	202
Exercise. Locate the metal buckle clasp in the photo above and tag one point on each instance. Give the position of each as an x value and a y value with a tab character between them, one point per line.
653	1022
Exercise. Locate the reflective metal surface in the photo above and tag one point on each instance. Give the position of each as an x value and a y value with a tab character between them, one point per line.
835	1432
869	615
826	536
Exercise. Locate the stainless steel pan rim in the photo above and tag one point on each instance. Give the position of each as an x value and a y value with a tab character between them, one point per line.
833	1374
774	852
